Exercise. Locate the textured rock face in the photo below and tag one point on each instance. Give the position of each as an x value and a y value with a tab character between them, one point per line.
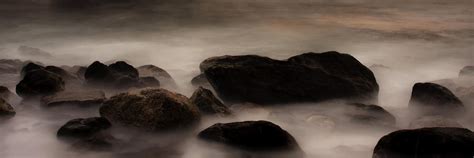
39	83
81	98
6	109
309	77
116	75
426	143
160	74
151	109
208	103
83	128
467	71
433	98
260	136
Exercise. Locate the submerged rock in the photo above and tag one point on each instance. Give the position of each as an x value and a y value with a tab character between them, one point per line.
6	109
158	73
426	143
255	136
81	98
208	103
39	83
61	72
370	115
5	93
434	121
151	109
149	82
201	81
310	77
83	128
467	71
431	98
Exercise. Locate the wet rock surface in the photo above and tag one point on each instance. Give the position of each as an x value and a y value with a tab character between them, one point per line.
151	109
310	77
83	127
39	83
432	98
258	136
426	142
207	103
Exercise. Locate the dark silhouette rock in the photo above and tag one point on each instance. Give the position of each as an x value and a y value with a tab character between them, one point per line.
151	109
208	103
310	77
39	83
258	136
159	73
370	115
80	98
116	75
426	143
30	67
431	98
6	109
83	128
467	71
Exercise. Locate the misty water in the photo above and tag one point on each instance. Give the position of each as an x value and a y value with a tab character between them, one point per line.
402	42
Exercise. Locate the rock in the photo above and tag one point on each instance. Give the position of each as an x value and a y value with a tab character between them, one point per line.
39	83
201	81
83	128
30	67
208	103
61	72
434	121
81	71
5	93
6	109
149	82
310	77
431	98
159	73
257	136
33	52
117	75
369	115
467	71
81	98
151	109
426	142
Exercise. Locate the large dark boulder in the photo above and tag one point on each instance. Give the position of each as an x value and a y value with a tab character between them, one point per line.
151	109
39	83
310	77
256	136
6	109
426	143
30	67
159	73
116	75
83	128
431	98
467	71
208	103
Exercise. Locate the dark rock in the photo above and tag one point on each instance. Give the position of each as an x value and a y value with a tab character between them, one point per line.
30	67
117	75
310	77
426	143
149	82
159	73
151	109
467	71
61	72
83	128
201	81
431	98
434	121
208	103
370	115
39	83
6	109
259	136
81	71
81	98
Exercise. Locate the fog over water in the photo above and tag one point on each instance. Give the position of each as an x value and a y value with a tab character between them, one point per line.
403	42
